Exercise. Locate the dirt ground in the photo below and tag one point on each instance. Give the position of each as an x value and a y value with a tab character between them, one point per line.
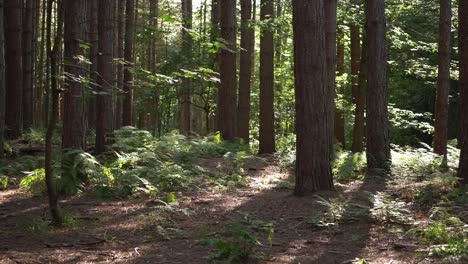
145	230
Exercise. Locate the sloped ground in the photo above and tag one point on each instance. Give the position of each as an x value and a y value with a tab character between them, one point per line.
358	225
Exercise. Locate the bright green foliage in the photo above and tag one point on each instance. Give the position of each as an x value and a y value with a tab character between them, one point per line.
34	182
348	166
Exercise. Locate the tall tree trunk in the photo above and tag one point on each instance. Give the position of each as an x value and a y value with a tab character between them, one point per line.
443	79
378	143
360	92
186	98
214	37
2	82
339	126
120	67
463	49
155	113
313	170
14	68
52	193
128	56
28	92
48	41
92	6
267	112
227	97
106	76
74	119
39	107
331	50
245	74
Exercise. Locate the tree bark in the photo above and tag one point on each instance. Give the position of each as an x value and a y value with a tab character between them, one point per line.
120	67
443	79
331	50
186	98
360	95
39	107
378	143
74	119
227	96
27	42
92	6
57	216
2	82
106	76
245	74
48	45
267	112
340	70
463	49
127	109
313	170
14	68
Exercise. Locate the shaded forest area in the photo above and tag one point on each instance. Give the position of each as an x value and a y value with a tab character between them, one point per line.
223	131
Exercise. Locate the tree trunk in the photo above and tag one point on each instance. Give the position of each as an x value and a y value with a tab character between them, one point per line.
339	125
186	98
57	216
128	56
39	107
73	120
48	41
155	113
92	6
2	82
313	170
214	37
28	92
106	76
331	50
267	112
14	69
245	74
227	96
120	67
463	49
378	143
360	97
443	79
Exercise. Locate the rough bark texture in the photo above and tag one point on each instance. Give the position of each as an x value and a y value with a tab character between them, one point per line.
48	45
39	117
443	79
267	112
331	50
120	67
2	81
227	96
360	98
74	119
245	74
463	48
14	69
92	6
212	125
377	143
50	179
186	98
105	69
340	70
28	91
127	108
313	170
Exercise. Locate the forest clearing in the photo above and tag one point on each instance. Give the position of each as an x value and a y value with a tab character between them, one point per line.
224	131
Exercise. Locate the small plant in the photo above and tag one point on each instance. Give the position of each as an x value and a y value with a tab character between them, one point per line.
348	166
242	236
331	216
32	225
34	182
388	210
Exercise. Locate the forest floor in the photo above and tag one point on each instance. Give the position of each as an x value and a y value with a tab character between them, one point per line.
362	221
